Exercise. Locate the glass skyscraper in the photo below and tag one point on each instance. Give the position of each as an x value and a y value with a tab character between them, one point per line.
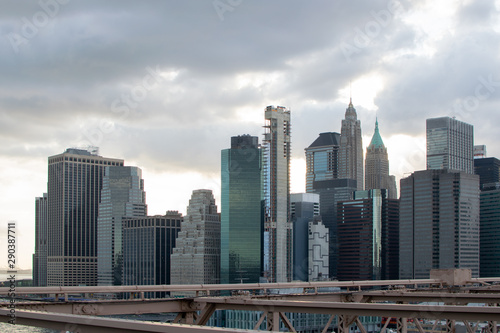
490	230
368	236
74	192
304	207
331	192
450	144
322	159
488	170
122	197
241	211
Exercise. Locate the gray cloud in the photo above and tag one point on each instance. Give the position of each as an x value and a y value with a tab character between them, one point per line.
66	84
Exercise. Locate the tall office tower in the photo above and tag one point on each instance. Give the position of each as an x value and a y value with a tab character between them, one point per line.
40	255
368	232
488	170
490	230
148	243
241	211
277	226
196	256
74	192
351	147
318	243
122	196
450	145
303	208
377	166
439	222
322	159
331	192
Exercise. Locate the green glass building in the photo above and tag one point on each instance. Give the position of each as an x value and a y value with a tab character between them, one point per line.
241	202
490	231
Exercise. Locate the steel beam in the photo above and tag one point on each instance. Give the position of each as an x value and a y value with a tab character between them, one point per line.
87	324
418	296
106	308
213	287
361	309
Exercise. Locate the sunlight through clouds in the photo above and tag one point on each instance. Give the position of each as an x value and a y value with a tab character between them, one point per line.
363	90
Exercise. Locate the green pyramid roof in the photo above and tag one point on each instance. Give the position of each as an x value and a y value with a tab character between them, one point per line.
376	139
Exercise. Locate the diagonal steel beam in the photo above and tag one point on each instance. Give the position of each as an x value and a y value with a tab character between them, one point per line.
88	324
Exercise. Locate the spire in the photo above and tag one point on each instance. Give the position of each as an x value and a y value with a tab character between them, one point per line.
350	93
376	139
350	112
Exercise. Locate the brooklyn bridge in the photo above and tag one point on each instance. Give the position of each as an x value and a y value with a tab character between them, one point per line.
450	301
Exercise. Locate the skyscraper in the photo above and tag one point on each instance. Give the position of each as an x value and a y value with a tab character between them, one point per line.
241	211
277	225
148	242
196	256
318	244
122	196
488	170
368	236
377	166
331	192
74	192
439	222
304	207
40	256
322	159
490	230
450	144
351	147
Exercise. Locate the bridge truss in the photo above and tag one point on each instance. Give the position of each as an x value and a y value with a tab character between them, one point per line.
430	305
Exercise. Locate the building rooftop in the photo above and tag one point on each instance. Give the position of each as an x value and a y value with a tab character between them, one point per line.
326	139
376	139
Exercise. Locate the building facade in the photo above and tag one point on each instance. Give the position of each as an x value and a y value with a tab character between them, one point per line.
196	256
241	211
488	170
277	242
331	192
322	159
75	181
439	222
490	230
479	151
148	243
318	246
450	145
122	196
40	255
377	166
303	208
368	233
351	148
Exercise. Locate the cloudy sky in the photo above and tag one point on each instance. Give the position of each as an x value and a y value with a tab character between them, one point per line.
165	84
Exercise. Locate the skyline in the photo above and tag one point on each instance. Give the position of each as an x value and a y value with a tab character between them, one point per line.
165	86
